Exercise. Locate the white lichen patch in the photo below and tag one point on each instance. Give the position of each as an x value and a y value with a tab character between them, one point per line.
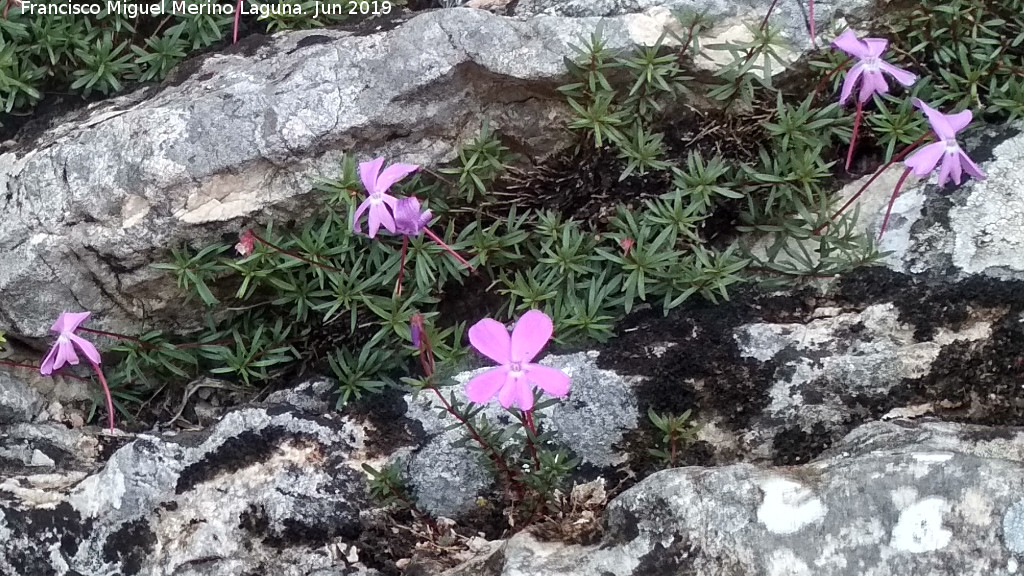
1013	527
919	528
788	506
975	508
784	562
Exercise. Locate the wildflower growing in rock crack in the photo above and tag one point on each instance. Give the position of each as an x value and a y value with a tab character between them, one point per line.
947	151
410	222
379	203
954	160
512	381
922	162
63	352
869	72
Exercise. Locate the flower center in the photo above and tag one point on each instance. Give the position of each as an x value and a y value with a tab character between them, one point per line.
517	366
952	147
871	63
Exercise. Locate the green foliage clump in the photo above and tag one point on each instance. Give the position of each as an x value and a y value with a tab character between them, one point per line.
102	53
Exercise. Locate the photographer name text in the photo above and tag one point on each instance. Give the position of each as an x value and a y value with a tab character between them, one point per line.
185	8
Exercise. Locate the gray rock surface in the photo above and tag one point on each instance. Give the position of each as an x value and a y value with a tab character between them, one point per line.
824	365
600	409
894	498
955	232
791	15
232	138
270	489
19	402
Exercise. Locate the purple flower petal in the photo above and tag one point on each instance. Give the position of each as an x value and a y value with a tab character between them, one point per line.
924	160
69	321
551	380
368	173
482	387
959	121
970	167
85	347
901	75
872	82
875	46
359	213
950	164
849	43
47	367
491	339
530	335
393	174
850	81
523	394
508	393
65	353
939	121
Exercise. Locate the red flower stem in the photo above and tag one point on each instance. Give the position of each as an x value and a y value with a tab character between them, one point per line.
106	392
527	418
116	336
238	16
401	266
34	367
764	22
450	251
810	11
895	193
874	176
834	71
853	137
296	256
479	440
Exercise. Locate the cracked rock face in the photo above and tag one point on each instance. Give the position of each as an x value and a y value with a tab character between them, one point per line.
267	488
956	231
231	138
891	499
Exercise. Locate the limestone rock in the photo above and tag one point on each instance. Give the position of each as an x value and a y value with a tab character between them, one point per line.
269	489
892	499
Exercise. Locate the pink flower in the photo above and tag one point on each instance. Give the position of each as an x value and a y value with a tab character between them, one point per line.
245	243
870	67
512	380
63	352
378	202
954	159
409	221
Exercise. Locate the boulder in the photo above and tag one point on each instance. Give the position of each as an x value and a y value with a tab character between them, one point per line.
267	489
893	498
237	137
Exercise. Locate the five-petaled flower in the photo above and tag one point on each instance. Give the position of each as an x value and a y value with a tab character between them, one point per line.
869	72
378	201
63	351
511	381
870	67
954	159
